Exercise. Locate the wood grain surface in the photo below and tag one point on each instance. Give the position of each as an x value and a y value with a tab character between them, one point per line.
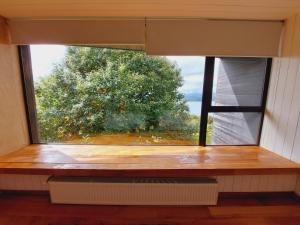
260	210
101	160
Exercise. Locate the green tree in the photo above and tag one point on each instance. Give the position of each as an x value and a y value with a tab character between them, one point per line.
98	90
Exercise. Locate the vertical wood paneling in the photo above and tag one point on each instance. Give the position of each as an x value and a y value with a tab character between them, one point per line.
293	120
289	105
296	146
268	119
225	183
13	124
274	133
23	182
281	131
286	105
237	183
289	30
297	188
257	183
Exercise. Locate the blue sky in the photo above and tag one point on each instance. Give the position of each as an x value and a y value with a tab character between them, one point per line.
45	56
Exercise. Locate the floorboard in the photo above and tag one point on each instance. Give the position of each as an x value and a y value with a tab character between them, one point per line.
33	209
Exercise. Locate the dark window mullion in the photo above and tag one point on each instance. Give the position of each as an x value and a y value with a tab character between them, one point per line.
206	97
28	90
265	95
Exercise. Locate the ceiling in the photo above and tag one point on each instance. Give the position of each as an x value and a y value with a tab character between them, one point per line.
214	9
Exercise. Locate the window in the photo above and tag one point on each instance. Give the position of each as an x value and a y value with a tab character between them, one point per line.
91	95
235	90
114	96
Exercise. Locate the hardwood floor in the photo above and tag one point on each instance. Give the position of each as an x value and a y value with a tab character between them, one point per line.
276	209
97	160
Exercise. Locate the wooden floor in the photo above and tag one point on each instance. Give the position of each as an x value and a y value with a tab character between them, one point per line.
89	160
260	210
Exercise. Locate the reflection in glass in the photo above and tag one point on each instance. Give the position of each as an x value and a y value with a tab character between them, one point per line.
238	81
233	128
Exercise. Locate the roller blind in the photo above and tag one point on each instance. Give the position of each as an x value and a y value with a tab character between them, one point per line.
159	36
212	37
102	31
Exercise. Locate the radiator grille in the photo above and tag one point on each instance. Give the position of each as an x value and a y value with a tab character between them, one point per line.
134	191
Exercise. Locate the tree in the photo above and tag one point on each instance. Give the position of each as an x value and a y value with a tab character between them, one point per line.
98	90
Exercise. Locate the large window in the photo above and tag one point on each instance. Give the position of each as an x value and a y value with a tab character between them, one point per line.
90	95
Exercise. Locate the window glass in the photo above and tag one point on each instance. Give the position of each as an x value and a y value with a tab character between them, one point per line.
233	128
87	95
238	81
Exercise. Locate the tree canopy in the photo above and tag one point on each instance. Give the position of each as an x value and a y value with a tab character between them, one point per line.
98	90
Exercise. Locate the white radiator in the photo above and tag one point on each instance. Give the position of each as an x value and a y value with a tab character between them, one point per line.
133	191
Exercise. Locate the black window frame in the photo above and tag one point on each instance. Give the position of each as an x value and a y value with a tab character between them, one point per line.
206	108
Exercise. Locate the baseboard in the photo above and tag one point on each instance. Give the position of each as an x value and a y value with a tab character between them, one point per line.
24	192
297	188
222	195
237	195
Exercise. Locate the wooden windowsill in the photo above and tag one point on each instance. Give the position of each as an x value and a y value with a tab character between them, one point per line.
99	160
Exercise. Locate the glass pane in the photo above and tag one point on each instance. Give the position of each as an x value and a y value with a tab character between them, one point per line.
233	128
87	95
238	81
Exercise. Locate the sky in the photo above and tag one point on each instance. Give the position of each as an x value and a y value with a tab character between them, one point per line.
45	56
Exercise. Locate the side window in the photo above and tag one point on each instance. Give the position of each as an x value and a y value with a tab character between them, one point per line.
236	109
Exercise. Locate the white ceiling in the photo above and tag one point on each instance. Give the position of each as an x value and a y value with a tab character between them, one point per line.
215	9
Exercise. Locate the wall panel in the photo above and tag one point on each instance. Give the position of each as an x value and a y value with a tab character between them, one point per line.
257	183
297	188
243	183
281	128
13	126
24	182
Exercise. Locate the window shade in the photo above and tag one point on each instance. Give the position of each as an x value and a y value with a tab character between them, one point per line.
102	31
212	37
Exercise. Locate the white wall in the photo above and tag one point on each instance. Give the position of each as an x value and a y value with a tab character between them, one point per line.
281	128
13	126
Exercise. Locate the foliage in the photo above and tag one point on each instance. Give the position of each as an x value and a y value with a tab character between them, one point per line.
98	90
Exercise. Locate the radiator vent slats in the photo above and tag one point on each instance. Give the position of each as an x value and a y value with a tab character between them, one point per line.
133	191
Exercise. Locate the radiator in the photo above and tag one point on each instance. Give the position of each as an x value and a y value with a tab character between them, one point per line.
133	191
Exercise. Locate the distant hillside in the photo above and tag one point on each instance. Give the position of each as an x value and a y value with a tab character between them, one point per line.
194	96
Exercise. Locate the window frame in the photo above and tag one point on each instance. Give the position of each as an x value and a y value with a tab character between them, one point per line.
28	92
206	107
